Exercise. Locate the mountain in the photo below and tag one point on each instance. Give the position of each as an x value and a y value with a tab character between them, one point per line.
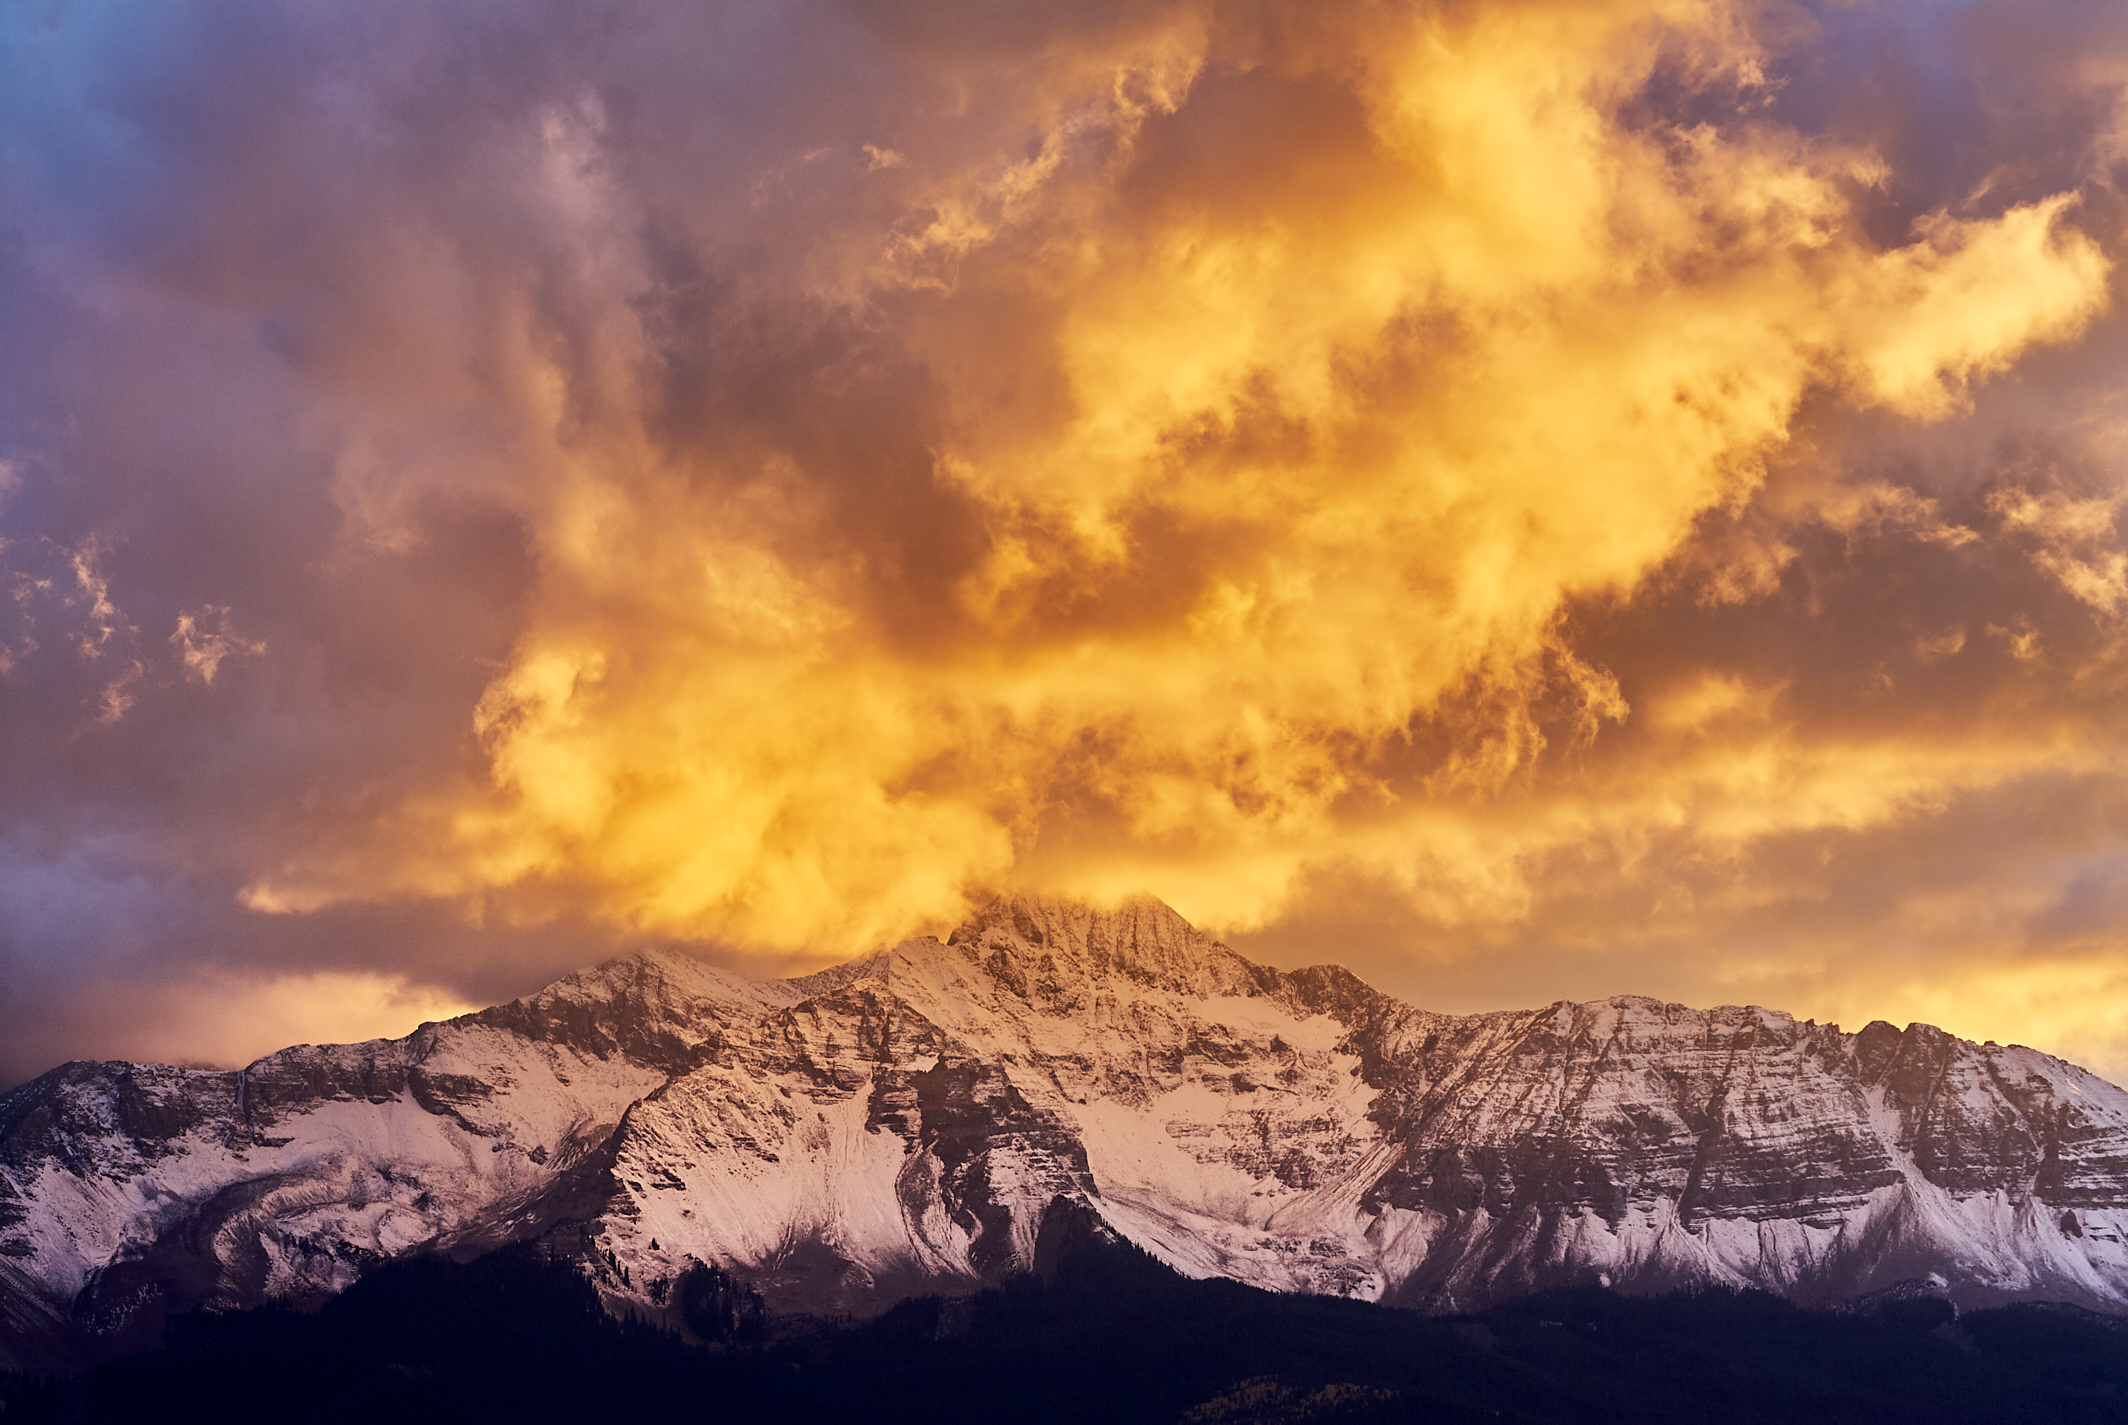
907	1122
1103	1333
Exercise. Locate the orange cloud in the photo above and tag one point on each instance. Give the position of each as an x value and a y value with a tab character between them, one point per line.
1533	497
1303	432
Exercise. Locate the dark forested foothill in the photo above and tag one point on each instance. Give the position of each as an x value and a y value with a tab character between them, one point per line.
1104	1333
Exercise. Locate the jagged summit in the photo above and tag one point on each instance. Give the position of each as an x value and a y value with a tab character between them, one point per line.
1142	940
1061	956
904	1121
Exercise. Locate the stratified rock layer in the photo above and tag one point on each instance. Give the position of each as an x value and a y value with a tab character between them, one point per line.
902	1123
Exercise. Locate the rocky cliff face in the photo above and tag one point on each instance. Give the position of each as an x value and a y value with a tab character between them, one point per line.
901	1123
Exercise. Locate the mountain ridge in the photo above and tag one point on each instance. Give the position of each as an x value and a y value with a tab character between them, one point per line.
901	1122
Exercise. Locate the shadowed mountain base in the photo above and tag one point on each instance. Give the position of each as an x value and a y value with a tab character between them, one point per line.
1103	1333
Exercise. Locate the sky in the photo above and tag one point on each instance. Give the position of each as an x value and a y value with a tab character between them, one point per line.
1528	500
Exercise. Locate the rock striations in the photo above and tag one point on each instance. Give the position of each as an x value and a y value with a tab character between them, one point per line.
904	1122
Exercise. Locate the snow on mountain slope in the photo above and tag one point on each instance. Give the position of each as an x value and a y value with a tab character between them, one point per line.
902	1123
130	1190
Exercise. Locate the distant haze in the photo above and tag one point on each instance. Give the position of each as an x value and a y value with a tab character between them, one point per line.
1527	500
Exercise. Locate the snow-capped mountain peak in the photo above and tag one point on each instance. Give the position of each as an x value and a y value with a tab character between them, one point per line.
905	1121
